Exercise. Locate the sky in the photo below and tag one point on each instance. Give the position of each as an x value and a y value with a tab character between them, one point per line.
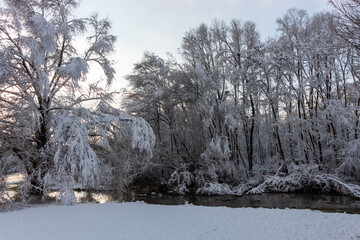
159	25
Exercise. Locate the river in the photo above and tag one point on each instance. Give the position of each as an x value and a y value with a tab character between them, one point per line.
315	201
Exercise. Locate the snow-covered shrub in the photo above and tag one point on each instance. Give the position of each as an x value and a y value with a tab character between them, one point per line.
301	178
305	178
350	166
181	180
219	165
214	172
215	188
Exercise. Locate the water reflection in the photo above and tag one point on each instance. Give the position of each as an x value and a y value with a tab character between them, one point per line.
13	180
10	192
8	195
84	196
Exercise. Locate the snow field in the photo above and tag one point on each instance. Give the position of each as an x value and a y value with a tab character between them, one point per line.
144	221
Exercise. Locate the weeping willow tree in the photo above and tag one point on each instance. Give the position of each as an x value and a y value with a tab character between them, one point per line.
42	87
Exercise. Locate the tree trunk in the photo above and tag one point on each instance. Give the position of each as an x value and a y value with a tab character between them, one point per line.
41	162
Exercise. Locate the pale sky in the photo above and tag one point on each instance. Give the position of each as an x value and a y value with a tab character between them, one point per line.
159	25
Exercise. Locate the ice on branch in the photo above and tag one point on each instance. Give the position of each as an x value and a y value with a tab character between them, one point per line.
76	68
101	46
141	134
44	30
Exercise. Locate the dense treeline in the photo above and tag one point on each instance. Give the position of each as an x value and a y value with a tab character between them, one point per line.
237	115
238	109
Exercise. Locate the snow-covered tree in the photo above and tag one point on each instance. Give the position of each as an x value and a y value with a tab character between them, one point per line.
239	109
42	85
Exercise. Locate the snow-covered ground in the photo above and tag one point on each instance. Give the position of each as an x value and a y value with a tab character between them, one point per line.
144	221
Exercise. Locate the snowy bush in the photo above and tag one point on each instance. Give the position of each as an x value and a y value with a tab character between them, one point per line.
180	181
213	174
218	162
305	179
215	188
302	178
350	167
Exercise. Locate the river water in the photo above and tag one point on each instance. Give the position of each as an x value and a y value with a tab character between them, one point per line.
315	201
